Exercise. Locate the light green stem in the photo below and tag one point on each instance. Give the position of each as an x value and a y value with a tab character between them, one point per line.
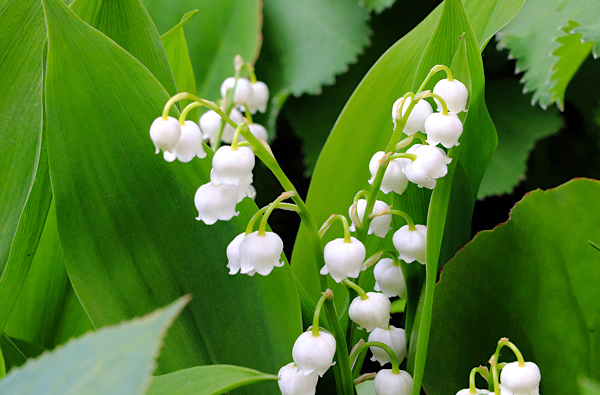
343	220
442	102
257	215
236	135
361	292
432	72
315	328
391	353
409	220
262	228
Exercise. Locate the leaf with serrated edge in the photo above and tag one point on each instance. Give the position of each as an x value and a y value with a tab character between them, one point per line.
532	279
535	43
378	5
113	360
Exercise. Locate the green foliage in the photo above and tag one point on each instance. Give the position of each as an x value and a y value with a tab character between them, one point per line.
588	387
16	352
551	49
206	380
108	181
378	5
115	360
221	30
47	312
533	280
519	126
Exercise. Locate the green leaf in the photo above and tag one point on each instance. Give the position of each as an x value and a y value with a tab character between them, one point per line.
308	42
48	312
179	59
206	380
378	5
588	387
550	40
532	279
519	126
128	23
24	182
115	360
220	31
16	352
126	217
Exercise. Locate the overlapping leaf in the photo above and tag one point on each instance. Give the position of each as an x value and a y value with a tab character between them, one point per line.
378	5
551	49
533	280
126	217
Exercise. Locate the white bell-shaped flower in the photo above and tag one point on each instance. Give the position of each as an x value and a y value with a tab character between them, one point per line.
294	382
165	133
210	124
371	313
393	337
258	131
394	178
411	244
445	129
216	202
314	354
343	259
380	226
243	90
416	120
467	391
431	163
389	279
260	253
454	93
189	145
390	383
260	97
232	166
233	254
521	380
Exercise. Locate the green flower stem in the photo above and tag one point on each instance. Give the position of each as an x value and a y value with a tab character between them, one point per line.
442	101
343	220
421	136
494	360
373	259
353	213
342	369
257	215
315	327
474	371
494	363
432	72
402	155
405	142
236	135
263	222
361	292
409	220
391	353
187	110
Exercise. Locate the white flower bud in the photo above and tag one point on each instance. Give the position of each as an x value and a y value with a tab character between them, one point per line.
216	202
416	120
232	166
467	391
314	353
453	92
521	380
371	313
189	145
165	134
260	97
390	383
343	259
444	129
260	253
210	124
393	337
431	164
394	178
293	382
243	90
233	254
389	279
379	225
411	244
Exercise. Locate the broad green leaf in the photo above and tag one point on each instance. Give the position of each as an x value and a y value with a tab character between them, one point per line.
532	279
24	186
16	352
221	30
128	24
550	40
126	217
519	126
48	312
366	119
377	5
588	387
113	360
179	59
206	380
308	42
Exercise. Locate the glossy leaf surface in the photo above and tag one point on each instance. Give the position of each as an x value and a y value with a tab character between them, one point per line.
126	217
532	279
